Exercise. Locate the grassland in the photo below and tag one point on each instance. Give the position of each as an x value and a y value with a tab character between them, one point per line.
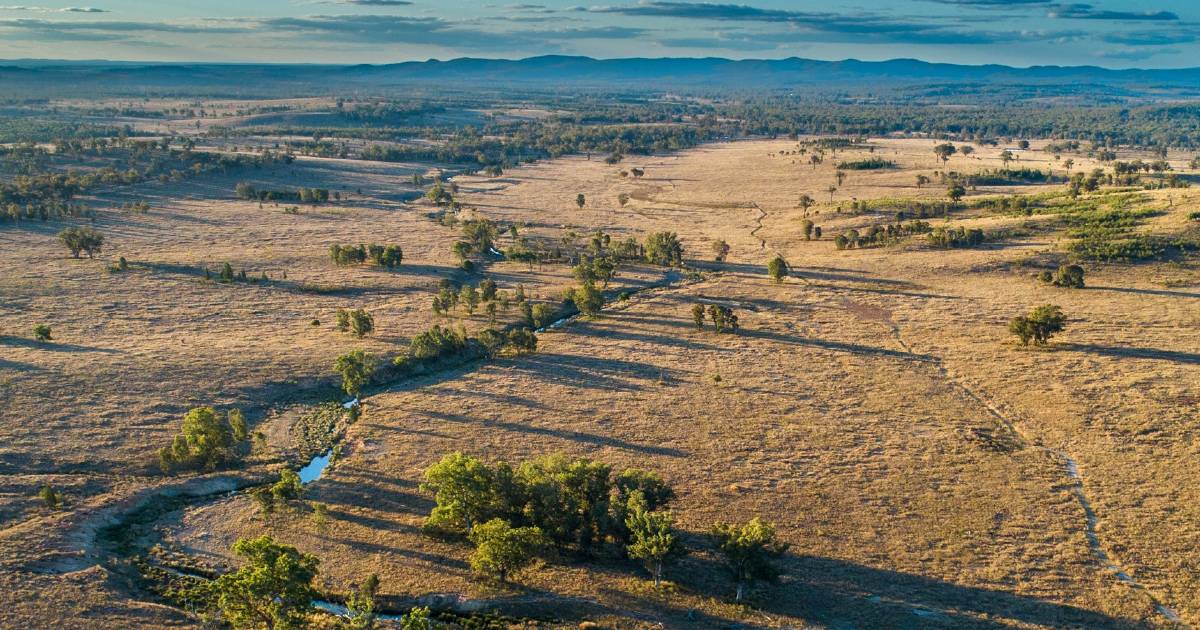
872	405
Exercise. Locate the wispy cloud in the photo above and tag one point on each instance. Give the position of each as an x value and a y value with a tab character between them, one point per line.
52	10
1088	12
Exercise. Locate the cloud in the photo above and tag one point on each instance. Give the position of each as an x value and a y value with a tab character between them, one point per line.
377	3
50	10
1136	55
1087	12
1152	38
103	30
994	4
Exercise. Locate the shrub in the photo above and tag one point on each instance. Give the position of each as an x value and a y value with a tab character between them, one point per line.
501	549
522	340
85	240
41	332
720	250
1039	325
1069	276
357	322
207	440
698	315
542	315
51	497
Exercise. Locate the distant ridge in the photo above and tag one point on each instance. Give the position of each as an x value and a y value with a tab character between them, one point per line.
556	71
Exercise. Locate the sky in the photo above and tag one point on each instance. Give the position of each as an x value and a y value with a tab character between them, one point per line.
1110	33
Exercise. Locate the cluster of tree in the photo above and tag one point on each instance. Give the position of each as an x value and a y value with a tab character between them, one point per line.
1009	176
881	235
388	256
357	322
723	317
955	237
82	240
586	298
868	164
1039	325
439	344
247	191
207	440
512	513
452	294
227	275
1069	276
47	195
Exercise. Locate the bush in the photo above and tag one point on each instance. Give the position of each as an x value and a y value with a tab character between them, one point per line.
357	322
542	315
41	332
1039	325
1069	276
86	240
522	340
51	497
207	440
587	299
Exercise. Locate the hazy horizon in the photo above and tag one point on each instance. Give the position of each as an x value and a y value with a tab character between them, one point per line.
1117	34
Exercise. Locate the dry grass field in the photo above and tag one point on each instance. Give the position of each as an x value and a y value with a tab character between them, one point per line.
926	470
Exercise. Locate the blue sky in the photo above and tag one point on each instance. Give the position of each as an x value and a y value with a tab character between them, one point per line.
1113	33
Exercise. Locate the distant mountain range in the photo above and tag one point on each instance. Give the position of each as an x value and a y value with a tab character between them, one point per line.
566	72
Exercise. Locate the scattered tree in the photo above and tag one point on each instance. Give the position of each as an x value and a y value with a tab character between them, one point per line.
85	240
1039	325
355	368
749	552
653	540
777	268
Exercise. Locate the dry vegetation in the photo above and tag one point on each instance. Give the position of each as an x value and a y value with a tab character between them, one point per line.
873	405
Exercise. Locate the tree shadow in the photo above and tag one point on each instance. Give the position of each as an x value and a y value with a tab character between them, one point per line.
836	346
837	593
1160	292
51	346
1125	352
562	434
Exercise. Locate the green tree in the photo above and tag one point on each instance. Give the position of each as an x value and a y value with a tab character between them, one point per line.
664	248
361	604
501	549
85	240
1070	276
41	332
749	552
522	340
541	314
51	497
464	489
944	151
1039	325
956	192
807	225
569	499
806	202
587	299
580	200
272	590
355	368
698	315
777	268
207	439
357	322
653	540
